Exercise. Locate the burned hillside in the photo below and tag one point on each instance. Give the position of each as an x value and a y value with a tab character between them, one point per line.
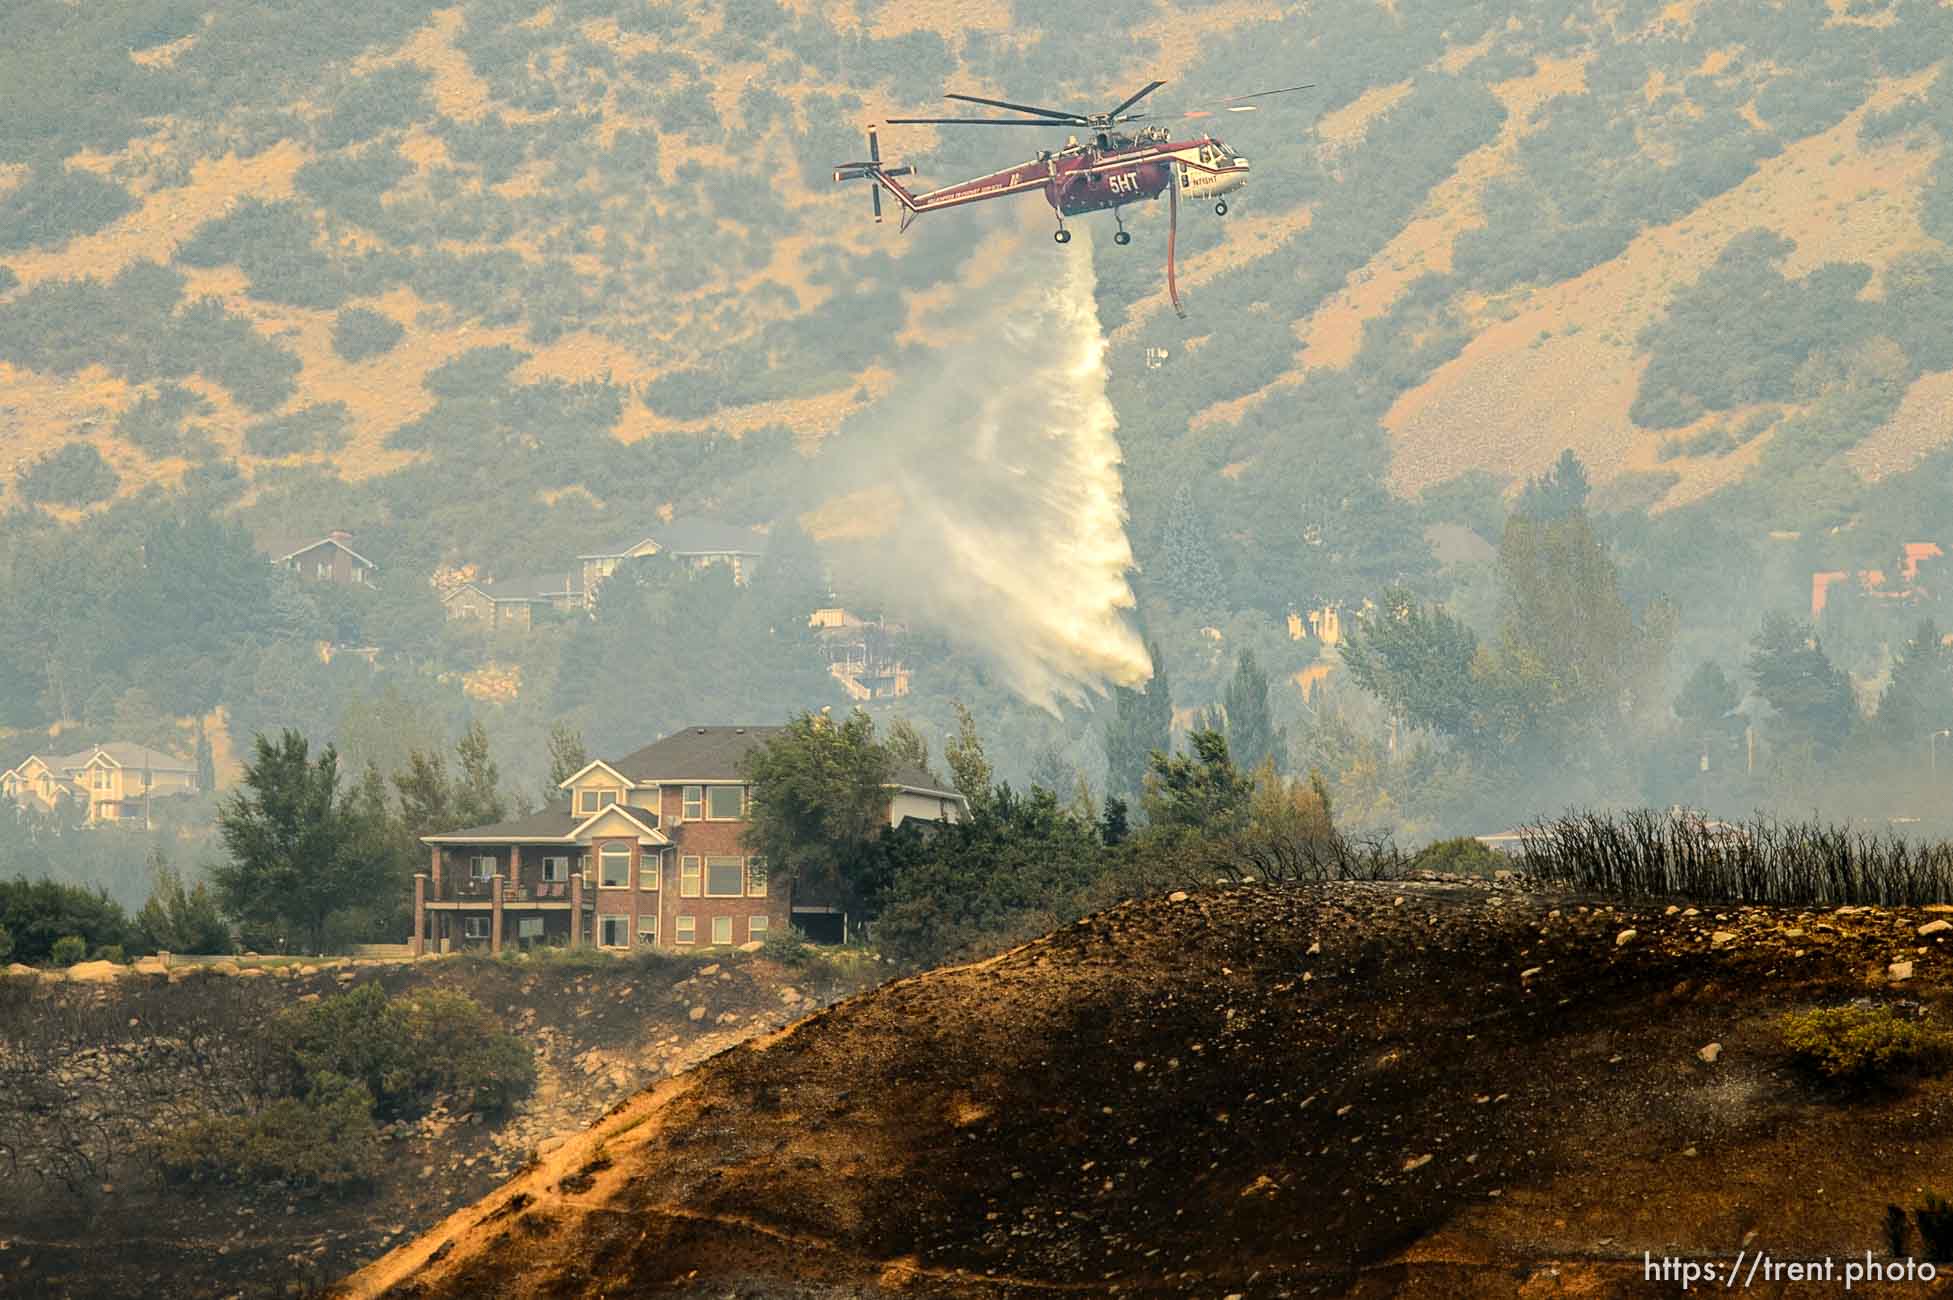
1441	1088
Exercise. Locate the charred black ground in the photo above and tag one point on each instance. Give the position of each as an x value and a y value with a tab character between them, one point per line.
1253	1090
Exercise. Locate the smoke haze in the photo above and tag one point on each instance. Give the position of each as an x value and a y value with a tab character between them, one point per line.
996	458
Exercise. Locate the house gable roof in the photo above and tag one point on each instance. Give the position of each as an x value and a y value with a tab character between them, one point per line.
619	812
583	771
645	544
286	548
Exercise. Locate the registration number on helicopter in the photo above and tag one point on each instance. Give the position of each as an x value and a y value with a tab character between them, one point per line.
1122	183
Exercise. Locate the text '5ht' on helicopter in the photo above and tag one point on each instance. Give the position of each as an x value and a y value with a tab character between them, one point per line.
1110	168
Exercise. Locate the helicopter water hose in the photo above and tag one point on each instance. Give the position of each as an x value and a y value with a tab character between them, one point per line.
1172	229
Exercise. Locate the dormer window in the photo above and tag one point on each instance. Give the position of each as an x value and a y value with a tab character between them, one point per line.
589	801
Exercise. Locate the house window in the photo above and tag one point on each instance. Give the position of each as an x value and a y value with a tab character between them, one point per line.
614	931
556	870
324	569
694	804
649	867
101	778
687	929
589	801
359	574
528	927
722	930
725	803
614	866
688	876
481	868
756	877
647	930
474	927
755	928
725	877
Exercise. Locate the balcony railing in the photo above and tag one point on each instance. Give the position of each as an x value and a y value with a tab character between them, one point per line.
467	889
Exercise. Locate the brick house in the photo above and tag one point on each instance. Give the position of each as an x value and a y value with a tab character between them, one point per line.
116	782
645	850
323	559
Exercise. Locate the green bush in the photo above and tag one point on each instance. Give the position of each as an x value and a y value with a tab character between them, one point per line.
111	952
789	949
68	949
76	475
1463	855
1864	1044
315	428
406	1051
359	333
6	944
326	1139
56	205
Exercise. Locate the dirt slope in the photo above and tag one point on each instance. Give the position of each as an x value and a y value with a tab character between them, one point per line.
1438	1089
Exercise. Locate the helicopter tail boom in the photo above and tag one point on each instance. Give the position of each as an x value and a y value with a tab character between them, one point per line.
881	176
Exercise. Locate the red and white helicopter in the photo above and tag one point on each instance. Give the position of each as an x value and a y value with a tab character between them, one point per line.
1110	168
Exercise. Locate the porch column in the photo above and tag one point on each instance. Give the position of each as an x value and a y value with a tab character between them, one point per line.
576	909
515	869
420	913
495	918
434	868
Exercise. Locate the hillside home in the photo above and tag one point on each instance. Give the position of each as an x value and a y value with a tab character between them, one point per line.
698	543
863	655
645	850
1872	584
513	602
113	783
323	559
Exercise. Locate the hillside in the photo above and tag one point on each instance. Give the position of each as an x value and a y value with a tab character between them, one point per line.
616	214
97	1072
1437	1089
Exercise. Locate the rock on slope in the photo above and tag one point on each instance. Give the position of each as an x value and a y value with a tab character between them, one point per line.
1434	1089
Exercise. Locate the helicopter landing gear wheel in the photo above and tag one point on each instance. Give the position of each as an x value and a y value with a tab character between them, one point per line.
1062	235
1220	208
1122	237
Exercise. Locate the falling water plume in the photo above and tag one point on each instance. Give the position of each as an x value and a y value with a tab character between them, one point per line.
1009	535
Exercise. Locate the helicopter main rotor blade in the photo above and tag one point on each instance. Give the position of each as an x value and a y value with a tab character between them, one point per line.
1054	113
1231	104
975	121
1151	86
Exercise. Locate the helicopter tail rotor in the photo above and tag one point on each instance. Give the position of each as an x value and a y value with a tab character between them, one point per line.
874	171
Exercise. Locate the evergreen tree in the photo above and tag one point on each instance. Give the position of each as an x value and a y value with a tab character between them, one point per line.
206	760
1559	492
968	765
907	747
300	849
1918	699
478	798
1707	704
1191	577
1203	792
1141	724
1252	737
1811	695
567	757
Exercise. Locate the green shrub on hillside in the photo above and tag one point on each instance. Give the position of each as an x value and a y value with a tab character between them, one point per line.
6	944
55	205
326	1139
359	333
155	422
68	949
384	99
314	428
1864	1044
75	475
406	1051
